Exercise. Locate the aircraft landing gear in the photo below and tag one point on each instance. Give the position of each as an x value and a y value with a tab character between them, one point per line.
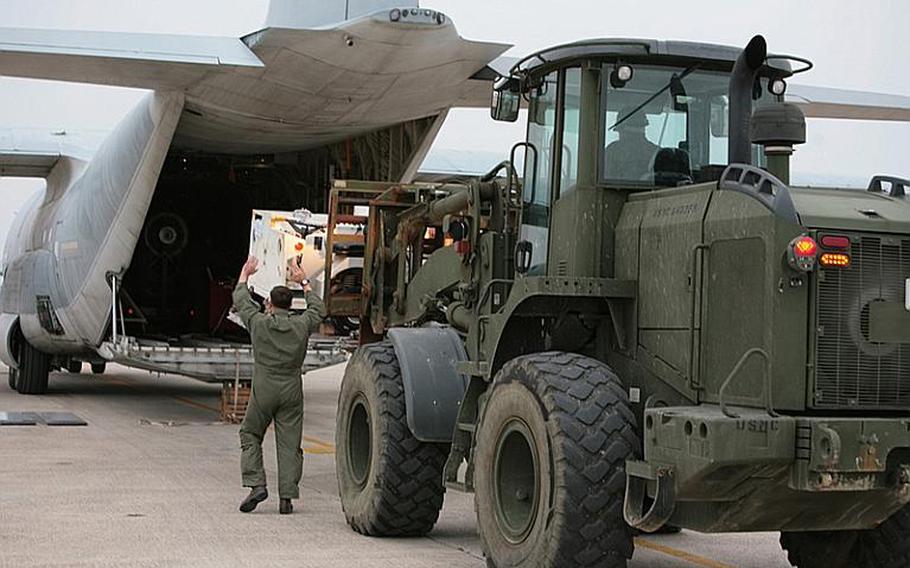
34	368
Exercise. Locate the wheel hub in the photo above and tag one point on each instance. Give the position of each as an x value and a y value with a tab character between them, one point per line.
516	481
359	448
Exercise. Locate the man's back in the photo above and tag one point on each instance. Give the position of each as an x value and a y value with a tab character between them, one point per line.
279	338
280	341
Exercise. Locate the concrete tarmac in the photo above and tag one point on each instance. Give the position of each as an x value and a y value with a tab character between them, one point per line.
154	480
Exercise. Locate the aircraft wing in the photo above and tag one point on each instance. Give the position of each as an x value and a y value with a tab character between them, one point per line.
143	61
824	102
31	152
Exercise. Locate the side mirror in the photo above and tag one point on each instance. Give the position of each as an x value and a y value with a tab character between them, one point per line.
505	105
719	117
523	252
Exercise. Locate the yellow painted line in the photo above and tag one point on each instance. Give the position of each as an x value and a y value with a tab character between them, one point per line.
319	442
195	404
681	554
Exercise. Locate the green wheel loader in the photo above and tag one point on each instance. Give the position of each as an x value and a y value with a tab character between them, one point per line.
649	327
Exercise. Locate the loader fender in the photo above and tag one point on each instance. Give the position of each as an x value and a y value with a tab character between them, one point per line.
433	387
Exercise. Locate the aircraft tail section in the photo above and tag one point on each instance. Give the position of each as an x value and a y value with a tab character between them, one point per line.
307	14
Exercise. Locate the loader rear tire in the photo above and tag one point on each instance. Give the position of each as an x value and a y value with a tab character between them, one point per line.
887	546
74	366
34	368
555	432
390	482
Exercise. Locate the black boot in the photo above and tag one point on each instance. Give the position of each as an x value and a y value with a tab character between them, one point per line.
257	495
285	507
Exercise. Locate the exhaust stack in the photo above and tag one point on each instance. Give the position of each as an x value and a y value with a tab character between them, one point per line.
742	81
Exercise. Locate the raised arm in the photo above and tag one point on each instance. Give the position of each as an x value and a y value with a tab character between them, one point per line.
243	302
315	308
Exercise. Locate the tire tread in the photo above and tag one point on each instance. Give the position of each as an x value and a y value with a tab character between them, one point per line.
409	490
593	432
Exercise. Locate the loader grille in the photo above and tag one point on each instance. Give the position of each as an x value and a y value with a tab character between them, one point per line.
851	370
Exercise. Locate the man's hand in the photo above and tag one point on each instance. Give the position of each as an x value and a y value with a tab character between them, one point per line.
249	268
298	274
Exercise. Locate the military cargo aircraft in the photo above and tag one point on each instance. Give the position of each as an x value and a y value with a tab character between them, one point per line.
129	255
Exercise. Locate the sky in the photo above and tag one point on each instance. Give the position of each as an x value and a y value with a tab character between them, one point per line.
854	45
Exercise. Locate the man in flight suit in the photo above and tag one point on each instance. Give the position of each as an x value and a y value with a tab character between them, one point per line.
279	347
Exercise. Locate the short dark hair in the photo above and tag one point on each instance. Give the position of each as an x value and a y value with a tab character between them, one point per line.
281	297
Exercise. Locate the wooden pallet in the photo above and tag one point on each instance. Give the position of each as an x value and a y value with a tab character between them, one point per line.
234	400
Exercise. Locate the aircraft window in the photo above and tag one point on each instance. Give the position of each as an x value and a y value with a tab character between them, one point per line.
665	126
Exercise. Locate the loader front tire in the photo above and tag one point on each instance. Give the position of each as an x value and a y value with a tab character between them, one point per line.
555	432
390	482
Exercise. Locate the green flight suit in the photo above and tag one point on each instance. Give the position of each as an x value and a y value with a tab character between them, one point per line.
279	348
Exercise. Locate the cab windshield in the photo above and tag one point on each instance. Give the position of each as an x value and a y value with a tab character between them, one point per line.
665	126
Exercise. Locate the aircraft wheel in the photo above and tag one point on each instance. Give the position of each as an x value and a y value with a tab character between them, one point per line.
99	368
555	432
887	546
74	366
34	368
390	482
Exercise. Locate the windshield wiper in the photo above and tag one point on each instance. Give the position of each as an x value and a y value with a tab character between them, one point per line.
680	77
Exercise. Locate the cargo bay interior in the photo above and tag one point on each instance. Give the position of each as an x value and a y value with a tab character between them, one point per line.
196	233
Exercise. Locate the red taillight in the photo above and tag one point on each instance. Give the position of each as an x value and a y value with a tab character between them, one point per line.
298	247
801	253
836	242
805	246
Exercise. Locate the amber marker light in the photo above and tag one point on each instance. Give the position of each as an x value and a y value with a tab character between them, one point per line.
835	260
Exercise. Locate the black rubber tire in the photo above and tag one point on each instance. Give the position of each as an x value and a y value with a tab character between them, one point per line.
822	549
12	378
74	366
34	368
401	492
887	546
99	368
583	429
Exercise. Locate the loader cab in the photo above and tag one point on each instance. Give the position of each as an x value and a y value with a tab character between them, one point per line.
621	115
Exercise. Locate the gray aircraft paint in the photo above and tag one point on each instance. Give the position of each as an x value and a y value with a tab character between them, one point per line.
315	13
84	226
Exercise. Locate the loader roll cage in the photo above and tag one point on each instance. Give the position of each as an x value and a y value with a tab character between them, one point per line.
664	125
